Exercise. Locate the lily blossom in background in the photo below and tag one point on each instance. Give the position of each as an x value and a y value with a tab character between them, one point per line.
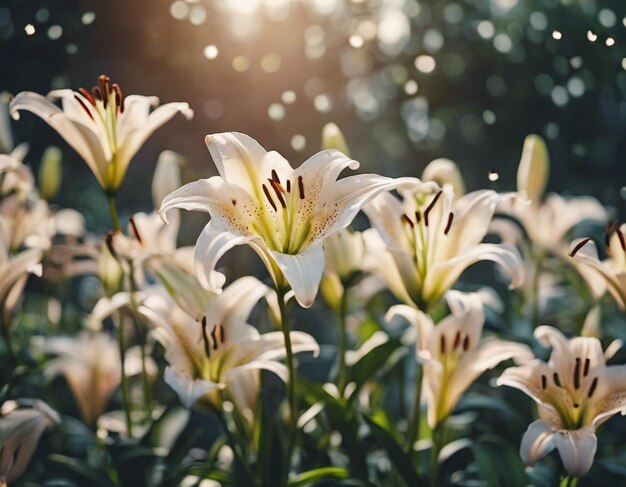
20	431
105	127
426	240
546	220
607	274
284	214
220	351
575	393
453	353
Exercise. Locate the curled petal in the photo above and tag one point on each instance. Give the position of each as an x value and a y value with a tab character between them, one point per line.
537	442
189	390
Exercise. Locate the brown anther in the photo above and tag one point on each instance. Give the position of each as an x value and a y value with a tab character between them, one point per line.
95	91
119	97
592	388
577	374
579	246
457	340
87	95
205	338
278	189
576	405
586	368
222	334
301	187
214	337
109	243
82	104
135	230
275	176
431	206
418	217
407	220
105	87
466	343
556	379
544	381
442	344
449	224
269	197
288	186
620	236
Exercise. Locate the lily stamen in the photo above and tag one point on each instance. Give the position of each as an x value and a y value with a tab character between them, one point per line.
431	206
214	337
407	220
82	104
586	369
579	246
269	197
279	192
205	338
301	187
288	186
577	374
557	381
449	224
135	229
592	388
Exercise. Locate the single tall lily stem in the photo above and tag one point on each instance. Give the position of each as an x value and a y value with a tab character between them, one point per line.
343	342
291	384
437	439
414	422
115	219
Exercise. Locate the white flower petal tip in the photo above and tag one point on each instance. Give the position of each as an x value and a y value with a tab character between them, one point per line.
444	171
537	442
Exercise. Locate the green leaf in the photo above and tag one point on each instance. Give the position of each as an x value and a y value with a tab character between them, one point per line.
80	470
396	454
379	358
499	462
307	478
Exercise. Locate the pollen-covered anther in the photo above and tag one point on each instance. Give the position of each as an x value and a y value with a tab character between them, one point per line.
269	197
449	223
592	388
214	337
557	381
205	338
82	104
119	97
301	187
135	230
431	206
105	87
278	189
457	340
87	95
407	220
442	344
544	382
579	246
577	374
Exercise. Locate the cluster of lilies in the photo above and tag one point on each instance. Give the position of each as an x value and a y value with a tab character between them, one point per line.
424	233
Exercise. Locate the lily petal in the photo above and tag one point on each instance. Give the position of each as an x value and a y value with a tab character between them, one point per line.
189	391
303	272
577	449
537	442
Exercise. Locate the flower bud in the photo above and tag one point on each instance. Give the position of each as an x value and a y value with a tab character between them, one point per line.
343	253
166	177
444	171
332	138
534	168
50	173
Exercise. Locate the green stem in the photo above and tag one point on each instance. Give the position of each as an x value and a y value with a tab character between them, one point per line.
291	384
115	219
414	422
437	439
147	393
569	481
343	342
123	382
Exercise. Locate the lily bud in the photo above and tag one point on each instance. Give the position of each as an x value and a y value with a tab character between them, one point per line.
444	171
331	290
332	138
343	253
166	176
110	270
534	168
6	138
50	173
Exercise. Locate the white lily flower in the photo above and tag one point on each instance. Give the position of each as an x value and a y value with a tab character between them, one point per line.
427	240
20	431
90	363
546	221
221	351
14	270
575	393
452	353
608	274
104	127
284	214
